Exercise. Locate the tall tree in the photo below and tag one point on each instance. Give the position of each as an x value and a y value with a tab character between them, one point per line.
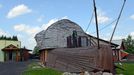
129	43
15	38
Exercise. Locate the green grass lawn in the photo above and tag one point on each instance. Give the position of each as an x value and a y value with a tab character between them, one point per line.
40	70
128	69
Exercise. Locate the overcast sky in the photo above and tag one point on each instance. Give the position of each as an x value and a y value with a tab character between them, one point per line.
25	18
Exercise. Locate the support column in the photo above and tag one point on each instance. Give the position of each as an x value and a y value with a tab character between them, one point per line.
119	55
43	57
5	56
17	56
82	72
46	54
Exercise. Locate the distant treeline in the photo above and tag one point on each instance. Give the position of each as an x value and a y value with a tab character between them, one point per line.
14	38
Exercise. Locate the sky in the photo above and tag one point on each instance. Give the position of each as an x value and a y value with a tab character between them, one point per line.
25	18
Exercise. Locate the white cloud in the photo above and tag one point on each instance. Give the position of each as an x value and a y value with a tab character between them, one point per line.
132	16
2	32
27	29
102	18
33	31
65	17
29	33
18	10
21	27
45	26
29	42
132	34
118	37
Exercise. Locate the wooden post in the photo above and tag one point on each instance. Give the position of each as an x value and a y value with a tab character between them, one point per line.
4	56
117	20
17	56
82	72
46	54
43	58
96	21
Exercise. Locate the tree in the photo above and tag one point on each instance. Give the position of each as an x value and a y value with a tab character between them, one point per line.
36	50
5	38
8	38
15	38
129	43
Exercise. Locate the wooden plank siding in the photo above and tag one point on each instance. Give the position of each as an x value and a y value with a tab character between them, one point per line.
77	59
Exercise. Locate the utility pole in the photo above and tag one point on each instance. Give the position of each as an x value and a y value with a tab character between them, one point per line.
96	21
117	21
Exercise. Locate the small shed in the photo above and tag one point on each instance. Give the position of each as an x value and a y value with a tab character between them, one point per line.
24	53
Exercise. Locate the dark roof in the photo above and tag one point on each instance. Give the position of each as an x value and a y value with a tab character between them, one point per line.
25	49
46	49
10	47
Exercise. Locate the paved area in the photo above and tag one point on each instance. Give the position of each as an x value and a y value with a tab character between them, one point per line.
13	68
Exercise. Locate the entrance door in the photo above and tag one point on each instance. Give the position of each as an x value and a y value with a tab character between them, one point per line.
10	55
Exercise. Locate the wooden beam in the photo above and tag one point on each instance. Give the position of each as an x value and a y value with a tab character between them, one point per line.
96	21
46	54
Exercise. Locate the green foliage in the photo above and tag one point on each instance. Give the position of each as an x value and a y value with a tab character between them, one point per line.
36	50
130	50
129	43
14	38
128	69
41	71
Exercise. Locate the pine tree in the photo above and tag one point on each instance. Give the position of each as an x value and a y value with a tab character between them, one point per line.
4	38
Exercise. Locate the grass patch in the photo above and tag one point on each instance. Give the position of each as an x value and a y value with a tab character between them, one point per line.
36	69
41	71
128	69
